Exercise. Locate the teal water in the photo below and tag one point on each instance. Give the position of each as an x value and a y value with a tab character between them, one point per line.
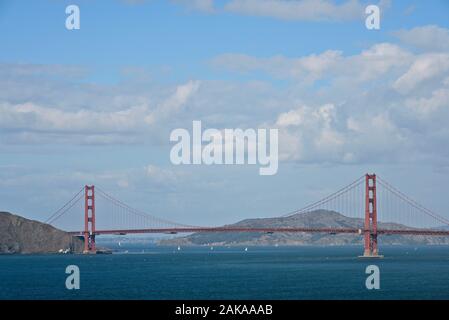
230	273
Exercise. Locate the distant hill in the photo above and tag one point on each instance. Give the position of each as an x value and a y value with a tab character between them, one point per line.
442	228
314	219
20	235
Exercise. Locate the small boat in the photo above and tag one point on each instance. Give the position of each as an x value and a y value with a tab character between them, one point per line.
246	249
179	248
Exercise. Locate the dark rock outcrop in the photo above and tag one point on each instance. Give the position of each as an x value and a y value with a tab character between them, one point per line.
20	235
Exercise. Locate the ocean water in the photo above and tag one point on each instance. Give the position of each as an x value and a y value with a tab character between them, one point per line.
146	272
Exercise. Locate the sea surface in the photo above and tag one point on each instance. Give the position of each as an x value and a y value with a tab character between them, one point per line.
151	272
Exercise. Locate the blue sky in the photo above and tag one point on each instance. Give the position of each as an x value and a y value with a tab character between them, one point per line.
346	100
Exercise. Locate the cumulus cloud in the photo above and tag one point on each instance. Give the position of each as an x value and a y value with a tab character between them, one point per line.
374	62
35	117
308	134
175	102
438	99
161	175
385	103
428	38
424	68
46	120
320	134
31	123
310	67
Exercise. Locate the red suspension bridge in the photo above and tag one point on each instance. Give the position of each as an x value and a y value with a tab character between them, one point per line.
381	208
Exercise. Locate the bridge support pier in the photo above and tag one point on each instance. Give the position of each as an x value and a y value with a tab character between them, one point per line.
370	228
89	220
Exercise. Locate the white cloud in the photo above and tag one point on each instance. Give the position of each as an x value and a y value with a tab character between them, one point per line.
311	132
374	62
36	117
291	118
316	135
305	10
334	108
429	38
424	68
309	67
301	10
161	175
175	102
429	105
200	5
34	122
370	64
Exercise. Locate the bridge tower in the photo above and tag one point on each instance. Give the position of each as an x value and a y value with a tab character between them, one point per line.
370	230
89	219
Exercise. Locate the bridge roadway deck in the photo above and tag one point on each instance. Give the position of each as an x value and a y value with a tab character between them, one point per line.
427	232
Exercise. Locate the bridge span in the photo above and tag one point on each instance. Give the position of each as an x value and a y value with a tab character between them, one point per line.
366	198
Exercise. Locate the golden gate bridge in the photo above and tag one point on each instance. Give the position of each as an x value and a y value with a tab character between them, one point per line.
93	212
